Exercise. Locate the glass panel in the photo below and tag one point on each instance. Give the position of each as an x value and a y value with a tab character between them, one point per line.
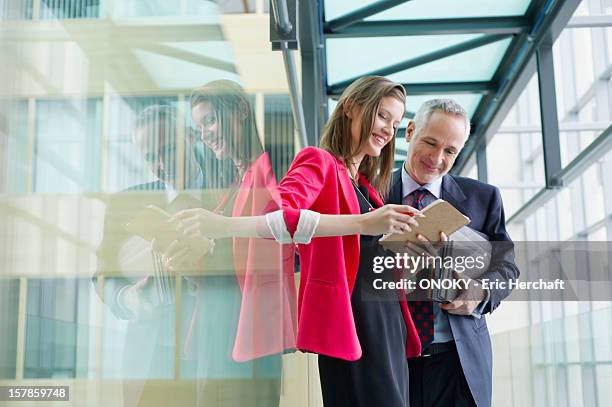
9	306
582	91
331	105
200	8
352	57
471	168
514	155
126	165
475	65
137	347
581	211
68	145
401	146
541	370
72	178
565	214
208	10
15	10
469	102
237	6
594	205
604	378
96	125
14	140
279	132
59	330
423	9
68	9
198	63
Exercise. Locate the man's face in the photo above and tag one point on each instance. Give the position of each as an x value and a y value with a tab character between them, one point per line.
157	152
158	149
433	151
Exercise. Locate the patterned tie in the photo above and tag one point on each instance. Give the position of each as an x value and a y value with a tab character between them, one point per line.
422	311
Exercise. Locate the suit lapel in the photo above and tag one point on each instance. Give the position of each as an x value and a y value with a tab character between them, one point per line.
395	193
453	194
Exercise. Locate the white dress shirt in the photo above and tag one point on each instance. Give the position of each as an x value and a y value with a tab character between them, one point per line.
442	330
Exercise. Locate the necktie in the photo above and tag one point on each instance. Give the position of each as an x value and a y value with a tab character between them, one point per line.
422	311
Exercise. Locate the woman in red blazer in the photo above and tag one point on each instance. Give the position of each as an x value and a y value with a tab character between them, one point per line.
334	193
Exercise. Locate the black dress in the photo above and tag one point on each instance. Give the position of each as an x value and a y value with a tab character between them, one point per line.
380	376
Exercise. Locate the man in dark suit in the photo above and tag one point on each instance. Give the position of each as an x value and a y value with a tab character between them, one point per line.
455	367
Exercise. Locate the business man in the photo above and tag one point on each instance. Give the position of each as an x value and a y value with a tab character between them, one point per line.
455	367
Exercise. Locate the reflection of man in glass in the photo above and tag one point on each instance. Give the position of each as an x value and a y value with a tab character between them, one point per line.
155	135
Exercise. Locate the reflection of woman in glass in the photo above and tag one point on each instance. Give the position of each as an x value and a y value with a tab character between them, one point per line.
334	193
243	316
138	289
225	119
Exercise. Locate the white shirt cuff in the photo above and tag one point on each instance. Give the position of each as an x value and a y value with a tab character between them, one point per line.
278	228
477	313
306	227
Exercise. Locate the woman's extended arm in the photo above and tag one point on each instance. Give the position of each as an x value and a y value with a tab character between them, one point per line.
387	219
300	187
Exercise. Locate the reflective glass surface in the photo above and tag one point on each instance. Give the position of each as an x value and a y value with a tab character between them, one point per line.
351	57
109	108
424	9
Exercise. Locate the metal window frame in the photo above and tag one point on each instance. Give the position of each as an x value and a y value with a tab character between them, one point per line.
596	151
549	118
282	25
515	70
312	52
593	153
471	25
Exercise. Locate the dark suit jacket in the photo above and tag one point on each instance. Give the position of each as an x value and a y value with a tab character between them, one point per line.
483	205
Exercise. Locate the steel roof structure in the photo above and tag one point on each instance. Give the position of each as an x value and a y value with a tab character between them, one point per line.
479	52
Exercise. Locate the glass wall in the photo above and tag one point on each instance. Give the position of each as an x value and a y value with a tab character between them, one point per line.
558	353
114	115
519	172
81	9
117	114
8	322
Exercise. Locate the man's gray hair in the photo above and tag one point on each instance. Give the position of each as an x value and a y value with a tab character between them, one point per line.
448	106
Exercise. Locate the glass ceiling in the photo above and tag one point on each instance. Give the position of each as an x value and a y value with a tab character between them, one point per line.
443	48
368	54
426	9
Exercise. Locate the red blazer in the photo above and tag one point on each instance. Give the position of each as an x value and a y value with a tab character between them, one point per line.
320	182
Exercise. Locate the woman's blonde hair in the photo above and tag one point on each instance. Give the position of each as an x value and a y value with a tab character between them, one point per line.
364	94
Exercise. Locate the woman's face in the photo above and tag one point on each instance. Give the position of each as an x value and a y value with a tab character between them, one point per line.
387	119
210	130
